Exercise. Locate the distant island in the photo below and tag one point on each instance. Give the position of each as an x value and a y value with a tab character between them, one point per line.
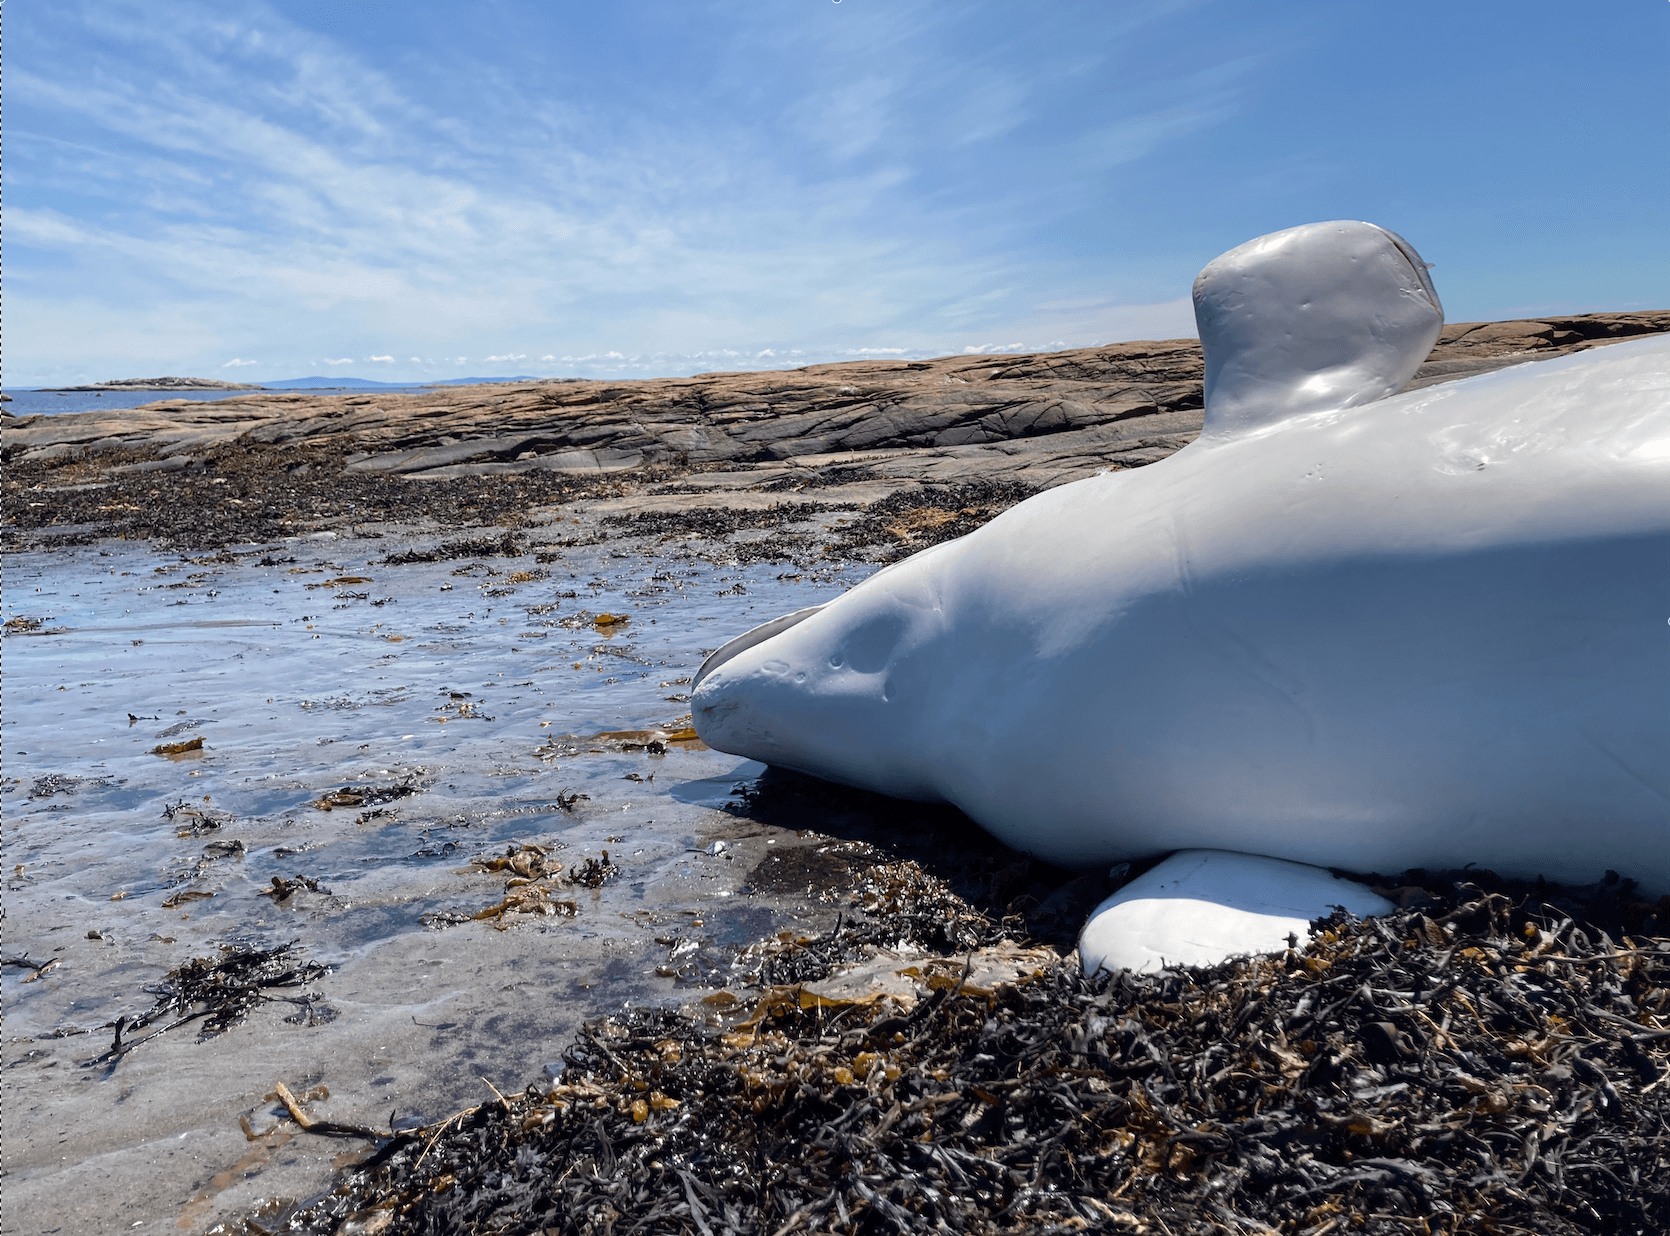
162	384
313	383
343	383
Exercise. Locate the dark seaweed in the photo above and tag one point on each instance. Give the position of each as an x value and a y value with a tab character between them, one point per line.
914	519
267	492
1494	1060
592	873
507	546
714	522
219	992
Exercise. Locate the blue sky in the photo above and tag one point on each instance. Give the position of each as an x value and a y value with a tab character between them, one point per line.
412	191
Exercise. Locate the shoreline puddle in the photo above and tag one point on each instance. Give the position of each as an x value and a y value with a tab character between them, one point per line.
209	754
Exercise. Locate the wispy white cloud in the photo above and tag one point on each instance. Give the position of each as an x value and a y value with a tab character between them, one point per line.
980	349
237	361
287	187
848	118
346	360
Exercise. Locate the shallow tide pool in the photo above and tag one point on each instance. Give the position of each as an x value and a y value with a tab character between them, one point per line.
443	712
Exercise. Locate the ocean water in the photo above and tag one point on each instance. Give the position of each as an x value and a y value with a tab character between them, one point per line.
29	402
461	705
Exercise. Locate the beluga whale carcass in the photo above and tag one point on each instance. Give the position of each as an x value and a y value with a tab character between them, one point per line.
1344	628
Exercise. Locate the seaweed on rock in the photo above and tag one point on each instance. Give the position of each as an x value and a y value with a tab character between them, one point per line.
1476	1064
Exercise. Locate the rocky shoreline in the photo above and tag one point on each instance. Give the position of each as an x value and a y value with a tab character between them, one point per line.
747	445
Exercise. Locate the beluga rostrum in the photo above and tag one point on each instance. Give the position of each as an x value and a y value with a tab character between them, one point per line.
1344	628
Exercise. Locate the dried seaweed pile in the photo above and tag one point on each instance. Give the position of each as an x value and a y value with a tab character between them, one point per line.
247	492
1475	1065
975	880
895	906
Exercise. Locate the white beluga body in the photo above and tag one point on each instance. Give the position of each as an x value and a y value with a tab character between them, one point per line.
1344	628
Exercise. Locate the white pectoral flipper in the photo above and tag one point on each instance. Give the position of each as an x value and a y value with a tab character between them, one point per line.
1328	315
1199	907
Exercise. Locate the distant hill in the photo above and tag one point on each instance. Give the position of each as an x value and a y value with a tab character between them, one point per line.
322	383
521	377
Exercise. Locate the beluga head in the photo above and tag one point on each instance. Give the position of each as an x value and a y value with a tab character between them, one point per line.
1323	316
835	690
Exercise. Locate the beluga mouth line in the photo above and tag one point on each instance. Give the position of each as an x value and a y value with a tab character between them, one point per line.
1345	628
